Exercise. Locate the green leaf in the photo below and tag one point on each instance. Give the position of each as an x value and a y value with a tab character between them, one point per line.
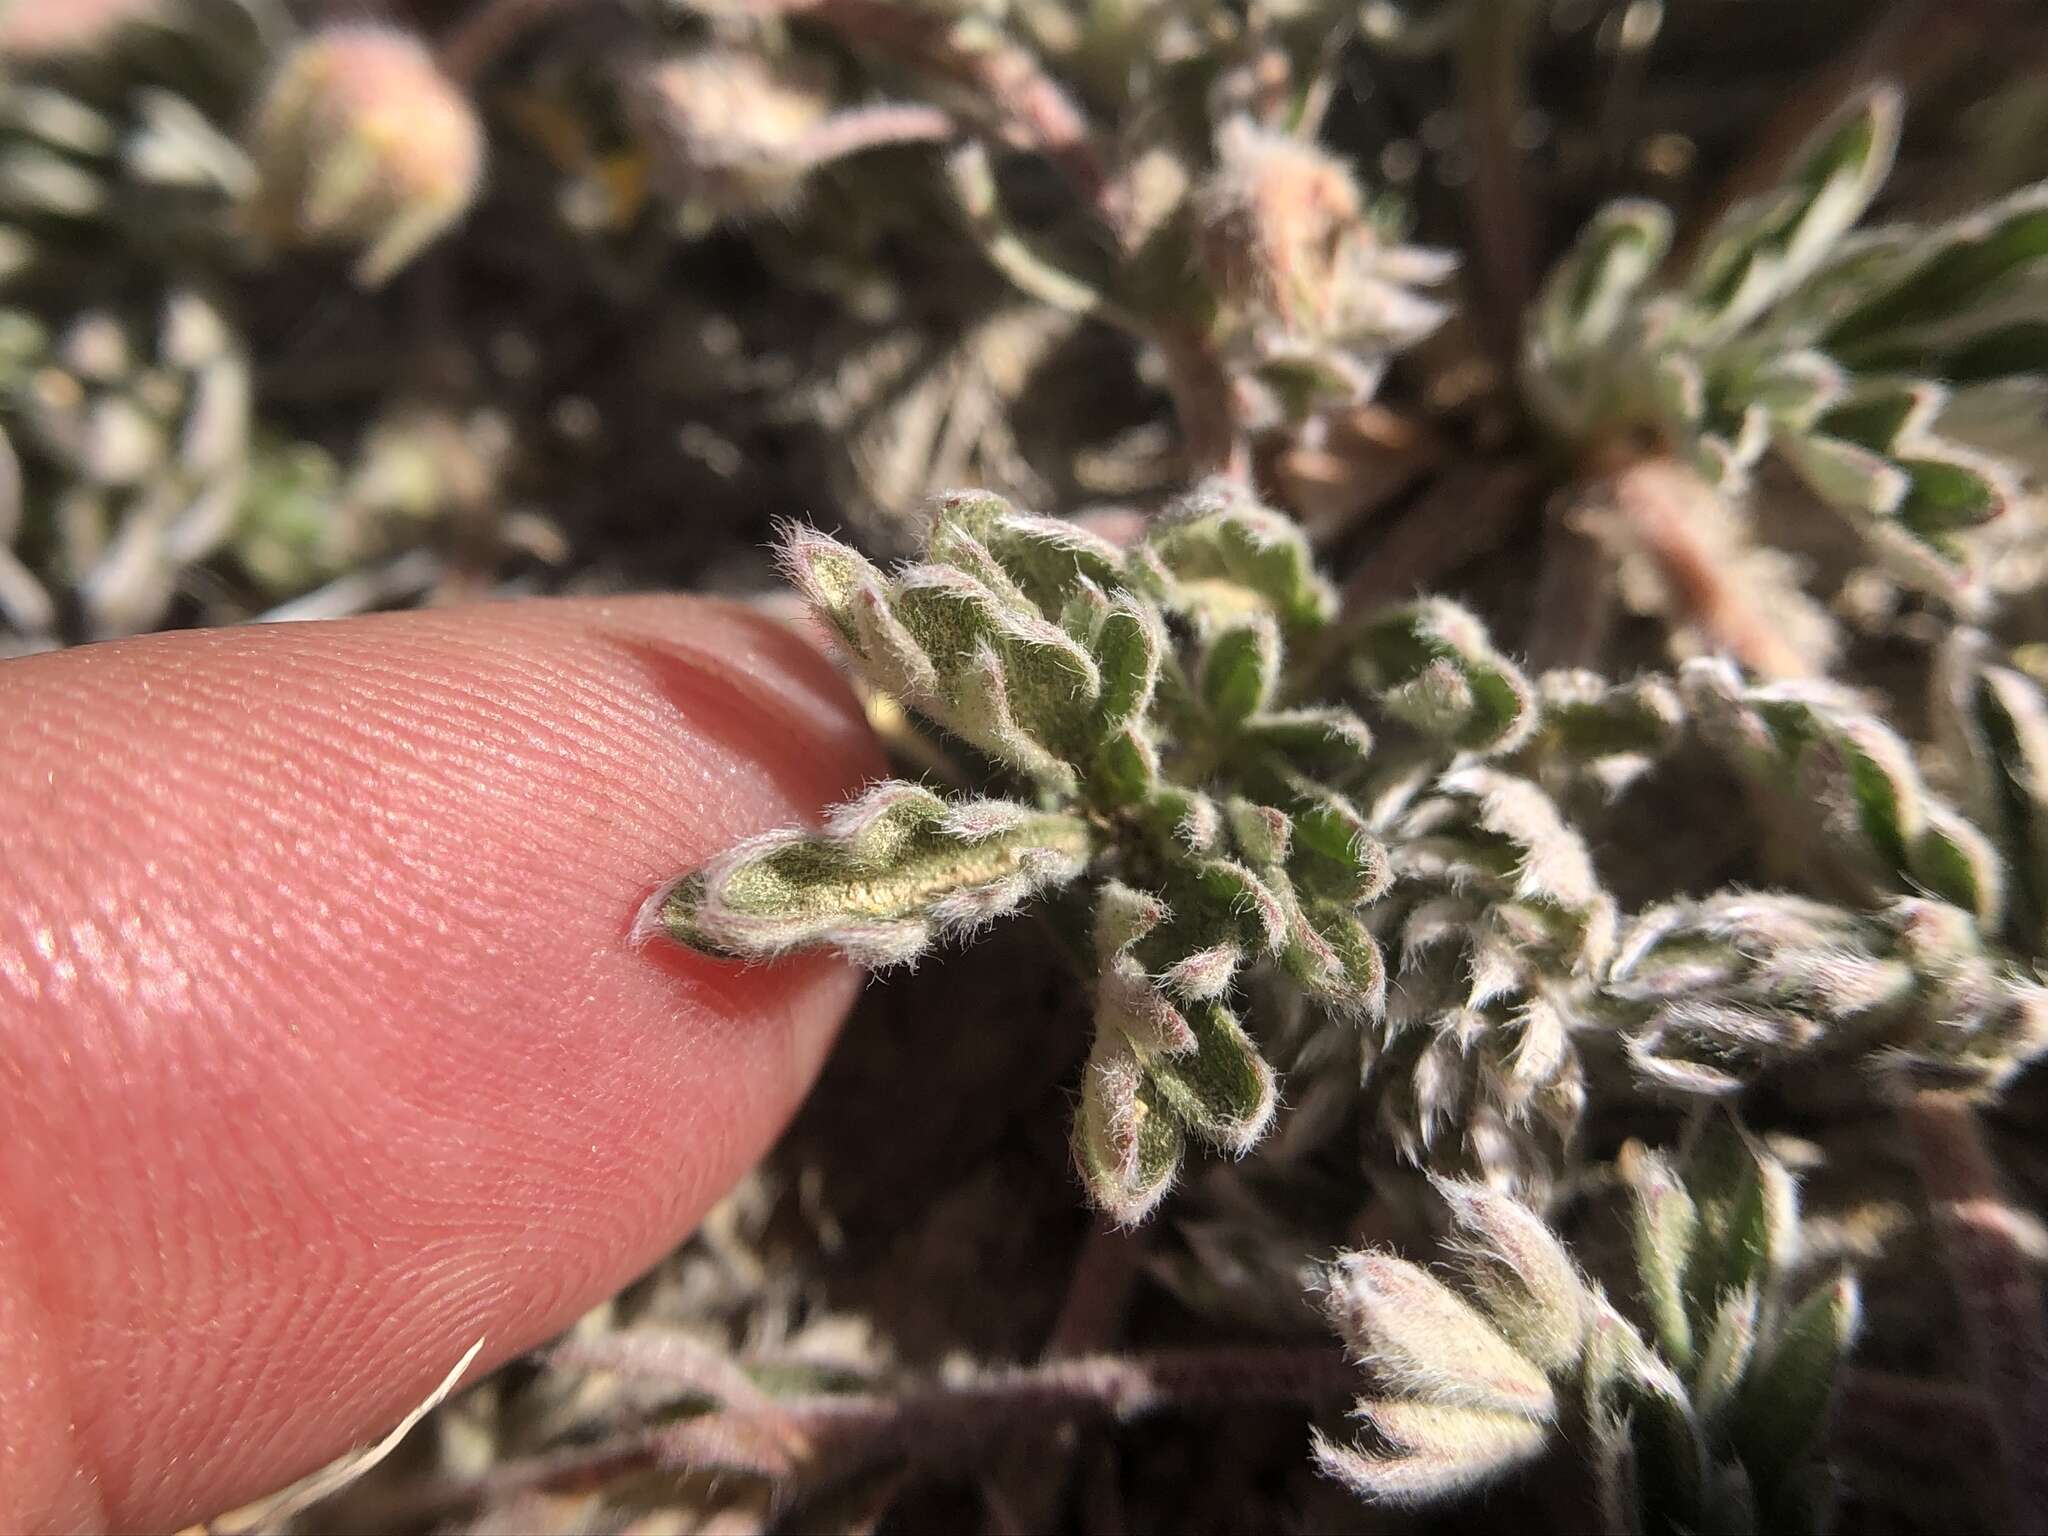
1186	819
1522	1274
1310	958
1127	645
1127	1148
1878	417
1842	474
1217	899
1590	290
1222	1091
1515	839
1262	834
1953	860
1124	771
889	875
1231	558
1240	671
976	704
830	575
1432	1452
1784	1402
1944	495
1956	266
1422	1339
1933	488
1048	559
1795	388
1330	744
2009	716
1748	1215
1009	682
1645	1402
1586	718
953	548
1612	1452
1124	914
1730	1344
1817	748
2015	350
1432	664
1763	249
1357	988
1131	1007
1336	858
1664	1224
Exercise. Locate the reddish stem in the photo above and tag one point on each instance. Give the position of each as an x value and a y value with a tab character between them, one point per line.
864	128
1205	401
808	1440
1998	1292
1662	508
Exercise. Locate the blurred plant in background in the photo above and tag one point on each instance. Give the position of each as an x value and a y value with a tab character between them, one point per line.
1525	743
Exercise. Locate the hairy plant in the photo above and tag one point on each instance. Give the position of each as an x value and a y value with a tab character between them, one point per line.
1498	921
125	442
1705	1418
1199	819
362	139
1721	990
1132	699
1391	915
1790	331
1249	265
118	127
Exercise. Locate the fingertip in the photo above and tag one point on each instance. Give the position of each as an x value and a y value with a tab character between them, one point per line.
329	1036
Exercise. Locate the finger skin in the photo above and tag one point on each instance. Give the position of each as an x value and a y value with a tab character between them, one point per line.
327	1045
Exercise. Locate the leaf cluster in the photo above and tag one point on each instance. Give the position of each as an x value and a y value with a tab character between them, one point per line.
1705	1417
1792	330
1134	703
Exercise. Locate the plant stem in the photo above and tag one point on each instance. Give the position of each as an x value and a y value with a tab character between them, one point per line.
807	1440
1996	1288
1574	595
1895	1414
1032	111
1656	506
874	127
1204	397
1035	1476
483	36
1099	1291
1204	401
674	1359
1500	209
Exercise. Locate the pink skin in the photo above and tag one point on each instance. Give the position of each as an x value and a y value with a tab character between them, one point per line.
326	1042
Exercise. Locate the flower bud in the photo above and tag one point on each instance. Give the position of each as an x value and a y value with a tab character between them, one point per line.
1274	216
361	139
